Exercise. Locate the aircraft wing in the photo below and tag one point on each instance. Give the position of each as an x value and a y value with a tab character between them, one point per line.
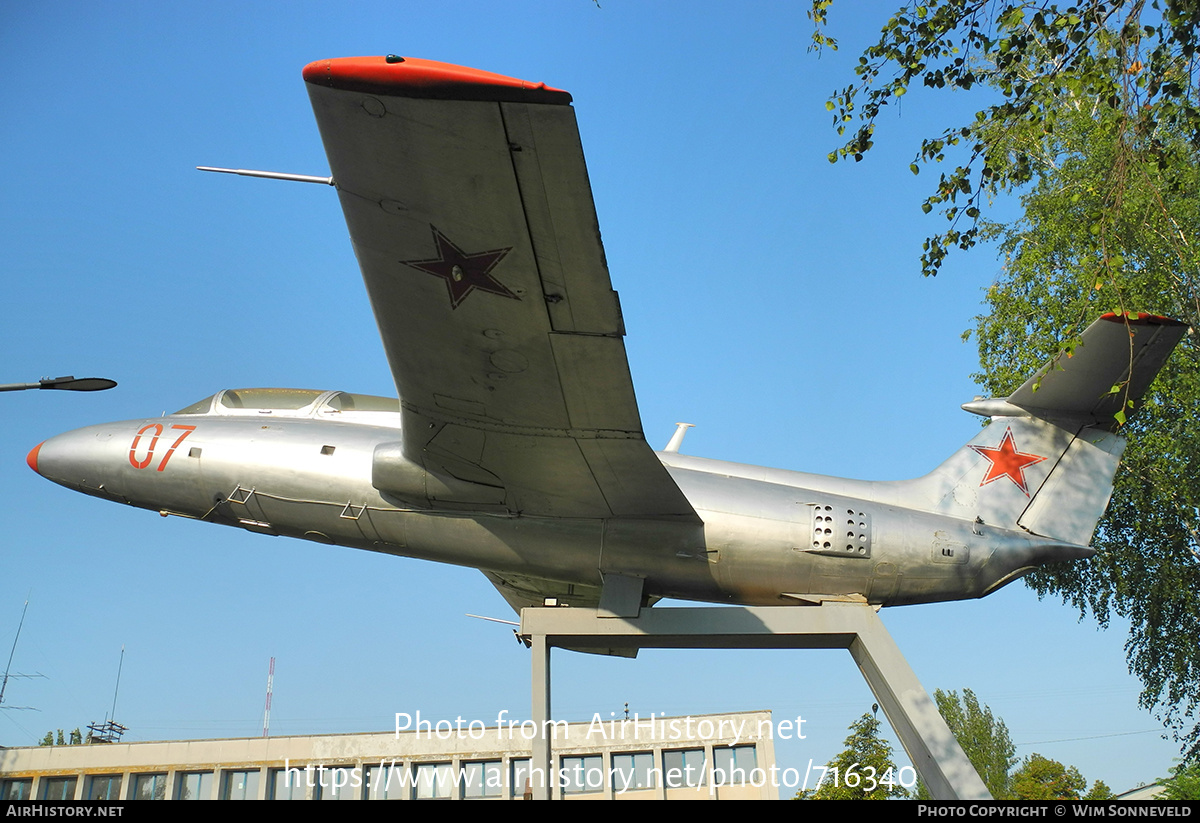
470	211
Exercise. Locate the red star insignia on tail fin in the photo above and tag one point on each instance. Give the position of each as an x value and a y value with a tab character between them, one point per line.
1007	462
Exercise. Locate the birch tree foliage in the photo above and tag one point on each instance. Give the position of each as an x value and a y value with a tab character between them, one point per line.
1135	60
1093	124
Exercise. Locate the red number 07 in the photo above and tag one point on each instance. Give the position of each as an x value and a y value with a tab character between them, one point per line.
157	430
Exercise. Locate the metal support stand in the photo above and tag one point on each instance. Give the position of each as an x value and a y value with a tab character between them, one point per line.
540	653
934	752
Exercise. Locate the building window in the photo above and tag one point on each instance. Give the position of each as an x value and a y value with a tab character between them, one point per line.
581	775
195	786
239	785
683	768
149	787
633	771
340	783
482	779
104	787
732	765
16	789
521	784
289	784
432	780
388	782
58	788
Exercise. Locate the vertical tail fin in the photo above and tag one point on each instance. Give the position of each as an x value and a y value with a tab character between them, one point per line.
1046	462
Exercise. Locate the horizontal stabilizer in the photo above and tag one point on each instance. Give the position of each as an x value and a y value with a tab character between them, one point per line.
1116	360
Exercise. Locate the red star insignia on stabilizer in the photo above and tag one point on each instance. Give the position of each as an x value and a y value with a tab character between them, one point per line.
1007	462
463	273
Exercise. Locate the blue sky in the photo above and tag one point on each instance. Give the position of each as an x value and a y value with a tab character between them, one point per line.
771	298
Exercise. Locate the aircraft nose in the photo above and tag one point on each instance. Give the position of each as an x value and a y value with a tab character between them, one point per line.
83	457
32	457
125	462
52	458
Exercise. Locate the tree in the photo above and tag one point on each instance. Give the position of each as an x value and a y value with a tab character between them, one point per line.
1040	778
76	738
1063	265
864	771
1098	131
1135	63
983	737
1183	784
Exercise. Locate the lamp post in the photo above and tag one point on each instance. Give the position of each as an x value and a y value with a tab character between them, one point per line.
68	383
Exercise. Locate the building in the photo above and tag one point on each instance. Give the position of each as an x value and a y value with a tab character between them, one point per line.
720	757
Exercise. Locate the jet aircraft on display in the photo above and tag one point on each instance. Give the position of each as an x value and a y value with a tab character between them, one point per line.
516	446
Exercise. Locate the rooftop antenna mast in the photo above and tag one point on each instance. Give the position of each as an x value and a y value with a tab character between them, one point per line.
116	688
270	689
110	730
8	668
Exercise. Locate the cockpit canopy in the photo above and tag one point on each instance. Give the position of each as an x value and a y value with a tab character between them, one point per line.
292	403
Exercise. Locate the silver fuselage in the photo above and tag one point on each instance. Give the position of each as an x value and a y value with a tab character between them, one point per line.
767	536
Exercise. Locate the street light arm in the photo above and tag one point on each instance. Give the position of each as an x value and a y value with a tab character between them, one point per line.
68	383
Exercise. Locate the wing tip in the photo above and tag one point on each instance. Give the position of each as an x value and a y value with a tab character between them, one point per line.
414	77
